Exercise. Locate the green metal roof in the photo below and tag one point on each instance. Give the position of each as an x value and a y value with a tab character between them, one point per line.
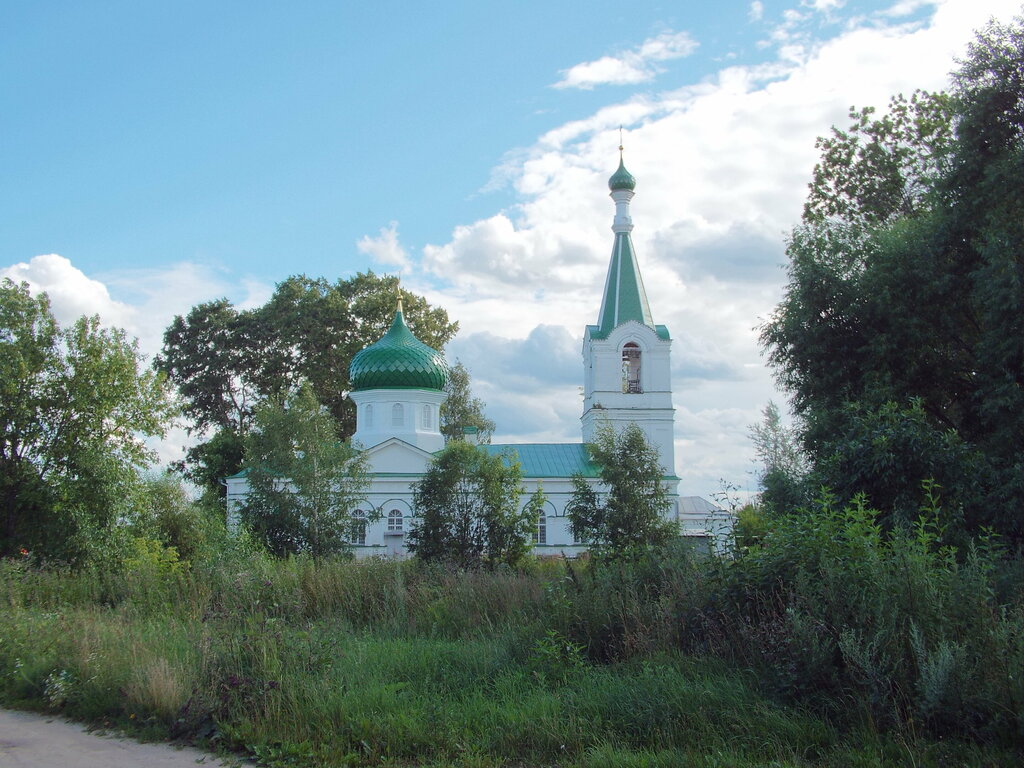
549	459
398	361
596	333
621	179
624	295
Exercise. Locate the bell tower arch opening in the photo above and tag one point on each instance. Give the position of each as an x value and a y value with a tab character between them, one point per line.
631	355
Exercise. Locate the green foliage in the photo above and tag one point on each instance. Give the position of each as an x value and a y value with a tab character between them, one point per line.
460	409
264	675
750	526
555	656
885	167
153	556
784	463
831	609
226	362
468	510
168	513
629	518
331	661
303	479
74	406
902	317
888	452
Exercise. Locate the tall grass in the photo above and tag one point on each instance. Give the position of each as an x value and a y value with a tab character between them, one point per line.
829	643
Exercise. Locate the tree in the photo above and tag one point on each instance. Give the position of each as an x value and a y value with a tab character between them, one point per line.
303	479
75	404
903	323
784	462
628	518
468	510
460	409
883	168
226	362
169	514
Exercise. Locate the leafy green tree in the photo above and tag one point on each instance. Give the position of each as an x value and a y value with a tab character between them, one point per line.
75	405
900	311
168	513
303	478
226	362
468	509
461	409
882	168
782	478
628	518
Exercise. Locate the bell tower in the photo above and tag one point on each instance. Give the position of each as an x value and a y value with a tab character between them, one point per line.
627	376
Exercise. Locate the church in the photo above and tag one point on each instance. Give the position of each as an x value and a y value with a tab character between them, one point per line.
398	387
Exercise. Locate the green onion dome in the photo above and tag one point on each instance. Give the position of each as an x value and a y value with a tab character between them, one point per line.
621	179
398	361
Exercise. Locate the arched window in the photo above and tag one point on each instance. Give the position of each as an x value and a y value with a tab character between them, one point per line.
631	369
428	417
540	533
368	413
397	415
395	521
358	524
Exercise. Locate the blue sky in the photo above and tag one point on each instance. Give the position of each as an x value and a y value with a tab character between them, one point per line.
251	134
155	155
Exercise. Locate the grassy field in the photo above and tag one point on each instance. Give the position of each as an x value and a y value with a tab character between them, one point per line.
304	663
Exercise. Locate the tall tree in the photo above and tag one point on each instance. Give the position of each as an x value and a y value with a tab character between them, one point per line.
303	479
784	464
226	362
902	323
75	405
460	409
468	509
627	517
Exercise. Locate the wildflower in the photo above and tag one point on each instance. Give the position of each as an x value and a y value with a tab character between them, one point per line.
23	552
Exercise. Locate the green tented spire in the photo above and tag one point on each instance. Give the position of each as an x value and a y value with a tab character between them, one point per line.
624	296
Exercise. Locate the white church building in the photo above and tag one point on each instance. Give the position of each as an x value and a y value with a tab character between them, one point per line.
398	387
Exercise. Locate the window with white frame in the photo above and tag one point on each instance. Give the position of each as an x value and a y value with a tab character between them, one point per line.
428	417
397	415
358	524
368	414
396	521
540	533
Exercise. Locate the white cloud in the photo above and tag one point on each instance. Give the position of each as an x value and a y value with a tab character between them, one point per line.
72	294
722	168
629	67
148	299
756	12
825	6
385	248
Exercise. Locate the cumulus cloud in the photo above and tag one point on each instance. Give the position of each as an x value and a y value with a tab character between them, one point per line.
638	65
722	168
141	301
385	248
756	12
72	294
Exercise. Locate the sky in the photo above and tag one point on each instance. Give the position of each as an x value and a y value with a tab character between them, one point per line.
156	155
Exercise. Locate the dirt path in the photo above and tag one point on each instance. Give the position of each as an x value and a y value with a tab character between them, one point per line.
29	740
